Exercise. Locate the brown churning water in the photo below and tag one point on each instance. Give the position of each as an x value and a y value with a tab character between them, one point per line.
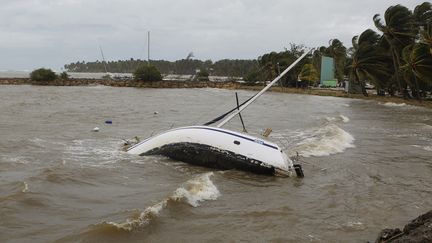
368	166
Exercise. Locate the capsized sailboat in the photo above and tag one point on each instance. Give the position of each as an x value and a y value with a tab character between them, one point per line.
215	147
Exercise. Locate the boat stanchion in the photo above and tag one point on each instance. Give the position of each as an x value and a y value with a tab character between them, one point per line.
299	171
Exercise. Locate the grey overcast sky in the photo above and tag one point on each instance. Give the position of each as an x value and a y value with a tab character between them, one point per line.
51	33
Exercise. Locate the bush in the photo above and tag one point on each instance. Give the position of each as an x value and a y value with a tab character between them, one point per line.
202	75
43	74
253	77
64	76
147	73
309	74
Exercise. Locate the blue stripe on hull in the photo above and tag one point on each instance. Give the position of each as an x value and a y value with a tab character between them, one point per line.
212	129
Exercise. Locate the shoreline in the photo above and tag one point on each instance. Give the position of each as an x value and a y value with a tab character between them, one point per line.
174	84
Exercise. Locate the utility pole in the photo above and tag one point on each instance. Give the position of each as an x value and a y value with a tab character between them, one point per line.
148	48
278	68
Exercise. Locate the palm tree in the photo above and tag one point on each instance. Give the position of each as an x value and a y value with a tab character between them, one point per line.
369	60
316	60
422	15
418	65
423	22
426	37
398	32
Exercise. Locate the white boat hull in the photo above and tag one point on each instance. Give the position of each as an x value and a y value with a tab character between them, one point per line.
217	148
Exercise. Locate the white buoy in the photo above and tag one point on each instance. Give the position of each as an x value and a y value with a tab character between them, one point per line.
96	129
155	112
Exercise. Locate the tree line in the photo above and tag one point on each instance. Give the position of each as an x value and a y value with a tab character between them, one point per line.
226	67
397	58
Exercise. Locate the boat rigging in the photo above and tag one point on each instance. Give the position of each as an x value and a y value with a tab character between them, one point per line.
215	147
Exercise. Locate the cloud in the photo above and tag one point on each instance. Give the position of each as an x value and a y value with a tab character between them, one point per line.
51	33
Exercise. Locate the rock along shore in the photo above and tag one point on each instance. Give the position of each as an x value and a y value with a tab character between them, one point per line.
175	84
418	230
123	83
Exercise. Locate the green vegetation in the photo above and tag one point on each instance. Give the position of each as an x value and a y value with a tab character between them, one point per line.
232	68
253	77
43	74
369	61
202	75
64	76
271	64
405	62
309	74
147	73
396	60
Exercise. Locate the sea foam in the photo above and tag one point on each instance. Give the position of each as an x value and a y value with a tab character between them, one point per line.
344	118
325	141
340	118
392	104
321	141
25	187
197	190
194	191
427	148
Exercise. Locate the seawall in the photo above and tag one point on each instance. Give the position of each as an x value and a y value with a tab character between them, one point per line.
123	83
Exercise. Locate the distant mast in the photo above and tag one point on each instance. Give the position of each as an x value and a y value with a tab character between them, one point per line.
103	59
148	48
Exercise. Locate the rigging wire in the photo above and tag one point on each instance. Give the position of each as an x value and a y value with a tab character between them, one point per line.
227	113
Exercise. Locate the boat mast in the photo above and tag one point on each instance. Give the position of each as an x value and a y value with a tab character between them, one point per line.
223	122
103	59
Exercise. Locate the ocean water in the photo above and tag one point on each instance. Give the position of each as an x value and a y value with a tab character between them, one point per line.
367	166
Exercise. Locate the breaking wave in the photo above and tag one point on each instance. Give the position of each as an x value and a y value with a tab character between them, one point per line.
427	148
392	104
193	192
321	141
340	118
344	118
325	141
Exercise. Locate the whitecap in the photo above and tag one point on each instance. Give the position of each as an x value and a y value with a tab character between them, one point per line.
194	191
331	119
323	141
344	118
392	104
427	148
197	190
340	118
25	187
